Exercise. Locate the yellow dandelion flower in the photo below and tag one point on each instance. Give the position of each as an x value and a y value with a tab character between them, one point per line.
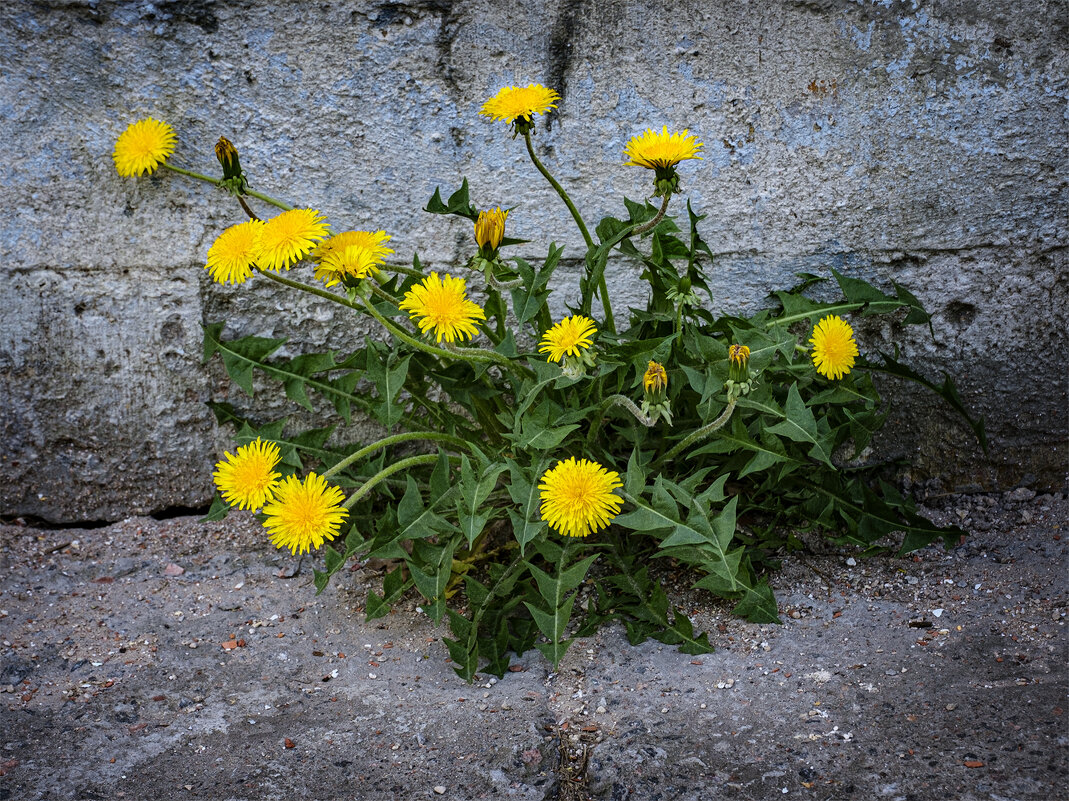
303	515
352	260
739	355
247	479
142	147
834	347
578	498
372	240
490	228
661	150
519	104
232	256
655	378
570	337
440	304
288	237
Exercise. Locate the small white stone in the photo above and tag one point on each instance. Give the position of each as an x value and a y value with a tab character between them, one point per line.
372	676
439	789
703	706
851	562
601	710
937	612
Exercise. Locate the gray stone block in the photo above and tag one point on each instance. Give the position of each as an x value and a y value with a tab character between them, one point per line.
922	145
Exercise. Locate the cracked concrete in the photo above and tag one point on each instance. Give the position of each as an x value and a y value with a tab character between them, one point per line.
175	660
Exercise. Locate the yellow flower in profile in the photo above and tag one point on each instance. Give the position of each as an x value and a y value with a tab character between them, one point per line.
655	378
303	515
142	147
834	347
232	256
352	260
247	479
441	305
570	337
490	228
661	150
578	498
517	105
288	237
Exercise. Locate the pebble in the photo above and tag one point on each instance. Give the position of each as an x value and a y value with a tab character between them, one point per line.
937	612
912	580
439	789
601	710
852	562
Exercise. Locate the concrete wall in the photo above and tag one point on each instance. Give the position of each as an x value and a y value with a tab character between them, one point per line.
923	142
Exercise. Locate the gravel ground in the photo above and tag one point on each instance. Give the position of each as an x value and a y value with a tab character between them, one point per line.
173	659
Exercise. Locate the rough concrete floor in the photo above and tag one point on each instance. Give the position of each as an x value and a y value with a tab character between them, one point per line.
938	677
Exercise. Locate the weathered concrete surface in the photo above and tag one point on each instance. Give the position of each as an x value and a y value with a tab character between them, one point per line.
116	683
921	144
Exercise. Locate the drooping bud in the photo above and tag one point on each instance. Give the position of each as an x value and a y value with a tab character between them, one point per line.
233	177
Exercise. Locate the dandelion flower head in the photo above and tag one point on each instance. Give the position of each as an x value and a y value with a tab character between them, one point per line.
661	150
440	304
570	337
232	256
288	237
834	347
578	498
246	479
304	514
142	147
513	103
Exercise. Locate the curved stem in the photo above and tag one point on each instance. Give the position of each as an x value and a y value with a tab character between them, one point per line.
468	354
404	270
386	442
641	229
312	290
560	191
703	432
217	182
501	286
386	472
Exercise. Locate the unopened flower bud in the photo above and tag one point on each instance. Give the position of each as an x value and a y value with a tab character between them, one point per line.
490	230
228	158
739	355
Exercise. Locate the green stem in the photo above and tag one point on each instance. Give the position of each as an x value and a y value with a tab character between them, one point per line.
560	191
603	289
309	288
702	432
641	229
386	442
465	354
217	182
386	472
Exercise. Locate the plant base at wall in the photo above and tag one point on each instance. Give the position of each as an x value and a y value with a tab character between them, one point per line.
527	456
